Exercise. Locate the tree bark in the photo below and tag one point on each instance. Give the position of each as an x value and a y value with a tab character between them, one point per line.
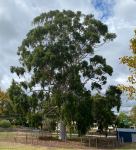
62	133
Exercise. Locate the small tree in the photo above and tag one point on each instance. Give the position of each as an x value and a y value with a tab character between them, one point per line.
58	55
103	105
123	121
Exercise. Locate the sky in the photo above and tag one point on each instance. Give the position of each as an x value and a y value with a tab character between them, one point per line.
16	17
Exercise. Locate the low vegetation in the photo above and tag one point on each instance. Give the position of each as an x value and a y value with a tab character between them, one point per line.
5	124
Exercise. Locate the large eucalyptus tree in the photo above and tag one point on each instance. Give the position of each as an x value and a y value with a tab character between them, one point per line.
58	55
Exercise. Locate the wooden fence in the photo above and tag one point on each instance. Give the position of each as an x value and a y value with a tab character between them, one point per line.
38	137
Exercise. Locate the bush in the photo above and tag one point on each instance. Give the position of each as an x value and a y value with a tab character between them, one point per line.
5	123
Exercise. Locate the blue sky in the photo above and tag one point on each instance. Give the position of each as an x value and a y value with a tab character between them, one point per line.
105	7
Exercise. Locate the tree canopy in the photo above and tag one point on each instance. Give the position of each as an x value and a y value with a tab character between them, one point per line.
57	61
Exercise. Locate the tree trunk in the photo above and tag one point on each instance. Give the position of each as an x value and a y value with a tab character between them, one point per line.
62	134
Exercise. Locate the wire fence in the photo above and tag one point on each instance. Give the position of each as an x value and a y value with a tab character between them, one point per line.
28	136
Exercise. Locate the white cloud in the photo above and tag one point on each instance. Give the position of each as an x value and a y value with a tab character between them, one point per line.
125	10
121	79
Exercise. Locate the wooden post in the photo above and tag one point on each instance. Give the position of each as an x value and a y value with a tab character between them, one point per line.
113	144
37	139
56	129
32	139
89	142
15	139
81	140
26	138
96	143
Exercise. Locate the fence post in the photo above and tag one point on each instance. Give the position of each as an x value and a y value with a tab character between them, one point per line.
81	140
26	138
89	142
113	144
37	139
15	139
96	143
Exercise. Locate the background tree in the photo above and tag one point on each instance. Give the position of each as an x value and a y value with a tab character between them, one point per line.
130	61
103	105
58	55
27	108
20	103
123	121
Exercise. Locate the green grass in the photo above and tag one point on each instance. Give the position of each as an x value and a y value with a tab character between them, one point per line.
7	134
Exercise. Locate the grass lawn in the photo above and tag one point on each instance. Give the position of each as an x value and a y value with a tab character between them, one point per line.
128	146
16	146
7	134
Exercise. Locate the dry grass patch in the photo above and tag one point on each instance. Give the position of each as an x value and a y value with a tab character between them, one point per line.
128	146
18	146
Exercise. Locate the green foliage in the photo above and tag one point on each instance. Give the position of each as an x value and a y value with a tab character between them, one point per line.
19	101
18	98
84	117
113	95
25	106
102	107
123	121
5	124
58	55
34	120
19	120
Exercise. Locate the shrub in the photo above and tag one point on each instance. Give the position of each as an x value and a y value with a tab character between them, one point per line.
5	123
